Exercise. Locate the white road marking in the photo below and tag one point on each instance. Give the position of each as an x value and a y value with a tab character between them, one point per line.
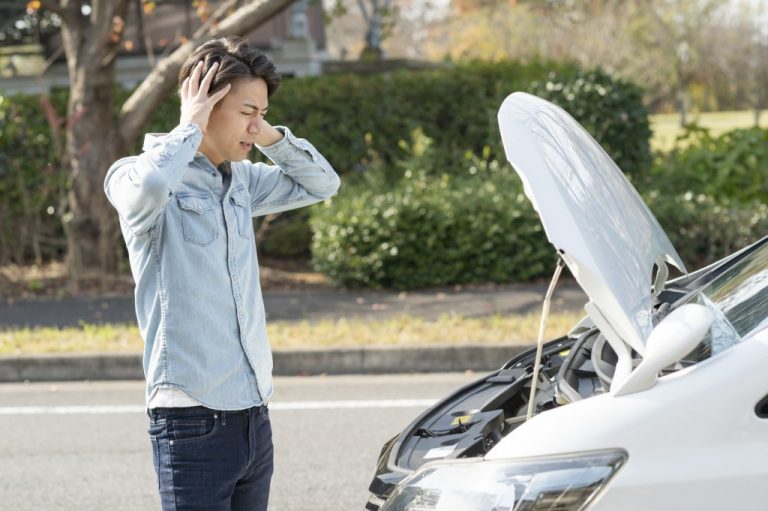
287	405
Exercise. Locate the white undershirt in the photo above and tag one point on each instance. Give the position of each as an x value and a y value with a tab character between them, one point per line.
171	398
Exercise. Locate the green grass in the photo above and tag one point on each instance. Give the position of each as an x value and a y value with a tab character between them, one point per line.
666	127
399	330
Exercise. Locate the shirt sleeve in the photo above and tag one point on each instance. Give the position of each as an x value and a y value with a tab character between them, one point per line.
301	176
139	187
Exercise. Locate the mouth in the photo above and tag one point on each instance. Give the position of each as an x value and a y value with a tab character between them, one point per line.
246	145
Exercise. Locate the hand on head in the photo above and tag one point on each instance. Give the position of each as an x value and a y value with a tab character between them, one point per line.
196	104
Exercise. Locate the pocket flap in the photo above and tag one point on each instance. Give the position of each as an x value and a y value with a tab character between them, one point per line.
195	203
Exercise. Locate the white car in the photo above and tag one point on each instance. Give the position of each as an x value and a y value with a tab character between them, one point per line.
657	400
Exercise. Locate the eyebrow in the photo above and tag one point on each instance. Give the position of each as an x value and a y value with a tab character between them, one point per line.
249	105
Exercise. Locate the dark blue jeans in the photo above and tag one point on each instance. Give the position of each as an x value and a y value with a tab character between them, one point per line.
211	459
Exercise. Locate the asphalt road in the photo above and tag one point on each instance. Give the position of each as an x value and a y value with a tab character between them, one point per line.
83	446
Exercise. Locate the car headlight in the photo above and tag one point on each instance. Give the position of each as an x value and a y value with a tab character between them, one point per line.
562	483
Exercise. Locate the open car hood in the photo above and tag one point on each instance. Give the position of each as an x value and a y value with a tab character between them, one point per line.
591	213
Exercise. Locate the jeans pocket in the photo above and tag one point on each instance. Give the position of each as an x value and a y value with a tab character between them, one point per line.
156	428
192	429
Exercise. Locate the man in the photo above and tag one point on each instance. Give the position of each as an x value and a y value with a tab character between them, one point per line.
185	206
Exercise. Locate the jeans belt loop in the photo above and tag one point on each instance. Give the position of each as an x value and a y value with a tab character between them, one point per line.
223	417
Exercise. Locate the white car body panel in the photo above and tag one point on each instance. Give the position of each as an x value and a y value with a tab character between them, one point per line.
694	440
590	212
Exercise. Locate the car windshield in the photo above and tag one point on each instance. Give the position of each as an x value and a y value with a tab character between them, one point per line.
739	299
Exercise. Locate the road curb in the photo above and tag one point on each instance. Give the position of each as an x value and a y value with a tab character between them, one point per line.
368	360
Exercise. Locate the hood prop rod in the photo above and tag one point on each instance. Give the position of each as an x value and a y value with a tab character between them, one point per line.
540	342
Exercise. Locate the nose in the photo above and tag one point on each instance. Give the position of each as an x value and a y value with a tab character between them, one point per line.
253	128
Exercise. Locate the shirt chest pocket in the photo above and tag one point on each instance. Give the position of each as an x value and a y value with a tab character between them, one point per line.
242	205
198	219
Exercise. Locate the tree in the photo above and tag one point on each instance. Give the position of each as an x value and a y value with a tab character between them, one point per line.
91	34
680	31
378	17
741	57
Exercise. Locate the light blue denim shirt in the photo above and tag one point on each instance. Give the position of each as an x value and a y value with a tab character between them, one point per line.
193	256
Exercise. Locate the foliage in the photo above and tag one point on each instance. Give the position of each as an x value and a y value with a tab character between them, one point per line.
347	116
30	184
289	237
704	229
474	224
733	166
611	110
428	230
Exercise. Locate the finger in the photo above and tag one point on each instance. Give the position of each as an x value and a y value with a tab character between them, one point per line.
205	86
185	88
216	96
194	80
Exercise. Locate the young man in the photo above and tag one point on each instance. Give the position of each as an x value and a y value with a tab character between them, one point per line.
185	206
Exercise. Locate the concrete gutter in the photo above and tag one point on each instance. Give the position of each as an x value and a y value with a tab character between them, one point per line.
379	360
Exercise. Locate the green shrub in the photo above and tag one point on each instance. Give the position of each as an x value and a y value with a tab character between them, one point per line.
733	166
289	237
31	183
610	109
437	231
346	116
431	230
704	229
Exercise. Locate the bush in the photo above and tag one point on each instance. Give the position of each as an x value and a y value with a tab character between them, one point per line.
704	229
733	166
346	116
430	231
475	225
610	109
31	184
452	230
288	237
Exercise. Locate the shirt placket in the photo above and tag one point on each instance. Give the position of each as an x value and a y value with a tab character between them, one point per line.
231	226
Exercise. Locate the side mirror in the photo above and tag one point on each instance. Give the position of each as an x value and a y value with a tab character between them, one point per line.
673	338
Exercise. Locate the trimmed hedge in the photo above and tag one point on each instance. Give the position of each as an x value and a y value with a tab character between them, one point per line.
610	109
476	225
429	231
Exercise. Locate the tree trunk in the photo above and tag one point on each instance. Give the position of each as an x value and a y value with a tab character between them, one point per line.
90	44
89	221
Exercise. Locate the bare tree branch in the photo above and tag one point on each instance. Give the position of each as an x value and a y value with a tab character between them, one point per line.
364	11
162	79
217	16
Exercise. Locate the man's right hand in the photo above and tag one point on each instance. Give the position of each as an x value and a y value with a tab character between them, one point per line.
196	104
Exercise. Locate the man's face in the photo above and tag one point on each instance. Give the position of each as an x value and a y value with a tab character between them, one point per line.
235	121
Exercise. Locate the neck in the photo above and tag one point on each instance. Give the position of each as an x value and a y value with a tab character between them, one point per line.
210	154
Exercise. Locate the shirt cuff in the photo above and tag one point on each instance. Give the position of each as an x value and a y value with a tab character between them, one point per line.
287	147
188	130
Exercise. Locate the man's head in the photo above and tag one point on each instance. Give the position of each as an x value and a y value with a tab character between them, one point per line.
239	115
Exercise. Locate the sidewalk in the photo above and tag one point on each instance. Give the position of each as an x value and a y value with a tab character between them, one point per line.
311	305
314	305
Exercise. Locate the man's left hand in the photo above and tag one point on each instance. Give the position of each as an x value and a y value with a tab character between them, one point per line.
266	134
